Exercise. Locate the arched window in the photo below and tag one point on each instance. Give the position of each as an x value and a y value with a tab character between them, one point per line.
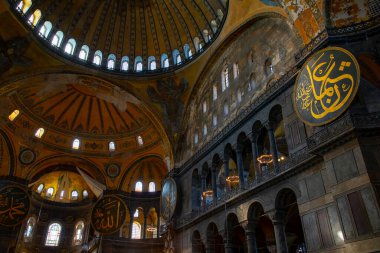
225	80
164	61
40	188
206	36
152	63
214	25
74	195
225	109
78	233
138	186
196	43
83	53
111	61
45	29
70	46
136	214
196	139
204	106
111	146
24	5
239	95
187	51
76	144
176	57
236	70
124	63
57	39
29	229
98	58
136	230
35	17
140	140
85	194
138	64
49	192
53	235
204	130
13	115
62	194
40	131
214	120
214	92
152	187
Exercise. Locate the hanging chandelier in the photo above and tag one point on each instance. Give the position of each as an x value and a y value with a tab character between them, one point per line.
265	159
151	228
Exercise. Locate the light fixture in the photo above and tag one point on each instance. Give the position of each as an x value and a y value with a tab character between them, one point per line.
265	159
151	228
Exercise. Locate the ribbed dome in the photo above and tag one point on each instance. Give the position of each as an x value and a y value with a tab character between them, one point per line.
130	31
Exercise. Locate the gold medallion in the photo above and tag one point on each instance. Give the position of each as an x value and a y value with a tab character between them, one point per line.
326	86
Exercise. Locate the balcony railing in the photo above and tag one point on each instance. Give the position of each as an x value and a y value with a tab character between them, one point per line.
291	163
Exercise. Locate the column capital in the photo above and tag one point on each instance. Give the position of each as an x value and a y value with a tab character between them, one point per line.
268	125
277	216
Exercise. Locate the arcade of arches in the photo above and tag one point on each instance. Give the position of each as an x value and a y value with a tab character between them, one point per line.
109	100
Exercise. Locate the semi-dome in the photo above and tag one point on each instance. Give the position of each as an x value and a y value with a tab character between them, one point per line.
146	36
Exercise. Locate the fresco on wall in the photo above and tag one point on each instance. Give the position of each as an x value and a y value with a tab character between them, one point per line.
348	12
12	53
307	17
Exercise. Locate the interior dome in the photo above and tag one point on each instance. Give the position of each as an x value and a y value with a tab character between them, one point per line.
62	186
150	35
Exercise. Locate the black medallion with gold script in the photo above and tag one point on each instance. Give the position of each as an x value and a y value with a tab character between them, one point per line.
108	214
14	205
326	86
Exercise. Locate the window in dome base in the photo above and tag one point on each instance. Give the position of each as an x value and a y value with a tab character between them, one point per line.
40	188
39	132
13	115
97	58
74	195
83	54
70	46
49	192
152	187
140	140
111	146
138	186
57	39
76	144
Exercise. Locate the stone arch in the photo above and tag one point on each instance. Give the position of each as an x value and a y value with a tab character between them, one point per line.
276	121
245	144
196	243
4	139
287	211
214	239
235	234
196	190
220	178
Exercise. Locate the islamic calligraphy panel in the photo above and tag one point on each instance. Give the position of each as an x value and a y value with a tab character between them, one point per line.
108	215
14	205
326	86
168	199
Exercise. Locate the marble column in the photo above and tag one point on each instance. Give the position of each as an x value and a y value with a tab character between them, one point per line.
240	164
251	237
214	182
228	247
273	146
278	220
145	226
256	166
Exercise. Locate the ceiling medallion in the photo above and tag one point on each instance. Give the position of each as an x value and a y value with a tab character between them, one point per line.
27	156
113	170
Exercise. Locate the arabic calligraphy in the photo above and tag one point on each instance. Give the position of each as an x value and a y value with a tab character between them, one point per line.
14	205
326	86
108	215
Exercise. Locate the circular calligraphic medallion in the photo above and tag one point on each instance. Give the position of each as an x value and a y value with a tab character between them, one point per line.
27	156
113	170
326	86
168	198
14	205
108	214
